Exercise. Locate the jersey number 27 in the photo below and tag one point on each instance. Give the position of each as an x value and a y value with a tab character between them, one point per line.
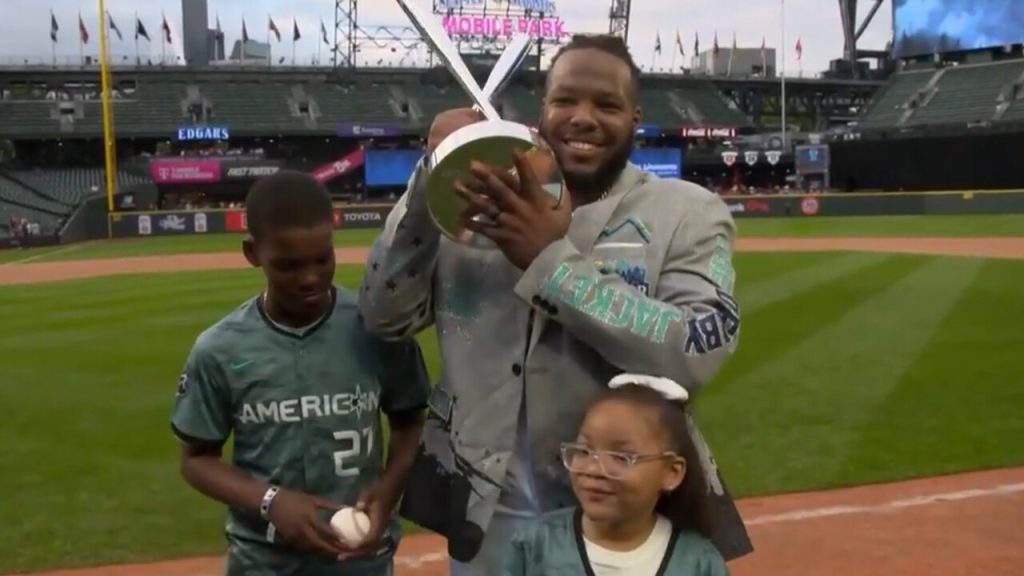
356	448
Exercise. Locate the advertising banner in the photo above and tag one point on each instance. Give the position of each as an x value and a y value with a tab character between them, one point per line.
165	223
370	130
710	132
347	217
248	169
235	221
665	162
184	171
340	167
489	26
390	167
648	131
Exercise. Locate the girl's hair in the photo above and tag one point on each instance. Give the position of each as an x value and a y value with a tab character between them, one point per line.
687	505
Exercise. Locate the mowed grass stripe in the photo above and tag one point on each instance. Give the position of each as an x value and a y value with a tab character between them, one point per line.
790	281
960	404
793	422
950	226
769	331
166	245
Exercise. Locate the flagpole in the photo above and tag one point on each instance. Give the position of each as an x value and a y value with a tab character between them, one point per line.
138	61
244	34
783	51
53	42
81	41
269	63
163	40
109	148
672	66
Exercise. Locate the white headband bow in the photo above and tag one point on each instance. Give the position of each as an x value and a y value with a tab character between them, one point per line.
670	389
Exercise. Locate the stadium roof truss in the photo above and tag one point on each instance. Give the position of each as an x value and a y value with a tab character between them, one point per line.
814	104
852	32
352	41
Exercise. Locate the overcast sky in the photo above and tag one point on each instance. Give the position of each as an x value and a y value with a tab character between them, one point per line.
25	26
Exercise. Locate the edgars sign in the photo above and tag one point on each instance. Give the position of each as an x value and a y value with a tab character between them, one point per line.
191	133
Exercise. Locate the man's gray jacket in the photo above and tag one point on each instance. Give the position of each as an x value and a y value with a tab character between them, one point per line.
642	283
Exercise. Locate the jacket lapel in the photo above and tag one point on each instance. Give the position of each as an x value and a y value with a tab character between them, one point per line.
584	231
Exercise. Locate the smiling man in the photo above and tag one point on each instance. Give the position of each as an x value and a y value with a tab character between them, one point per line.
630	273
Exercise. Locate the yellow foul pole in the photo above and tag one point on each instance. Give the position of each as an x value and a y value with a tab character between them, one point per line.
109	151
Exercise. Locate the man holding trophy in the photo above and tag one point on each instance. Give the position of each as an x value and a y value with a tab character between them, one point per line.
549	264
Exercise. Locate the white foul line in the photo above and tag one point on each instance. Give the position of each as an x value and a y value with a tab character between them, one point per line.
825	512
806	514
46	254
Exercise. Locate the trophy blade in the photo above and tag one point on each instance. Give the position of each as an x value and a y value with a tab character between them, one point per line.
433	32
506	66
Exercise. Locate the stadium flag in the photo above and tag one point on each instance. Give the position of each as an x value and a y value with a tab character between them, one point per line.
83	39
83	33
165	38
245	38
271	27
800	56
140	29
657	49
295	37
54	28
167	29
714	55
113	26
696	43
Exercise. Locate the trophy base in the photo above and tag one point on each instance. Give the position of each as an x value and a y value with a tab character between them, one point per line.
490	142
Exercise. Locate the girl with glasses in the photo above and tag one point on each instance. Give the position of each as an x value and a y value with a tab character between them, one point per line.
640	509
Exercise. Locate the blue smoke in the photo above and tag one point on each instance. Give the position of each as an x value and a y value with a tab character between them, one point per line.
928	26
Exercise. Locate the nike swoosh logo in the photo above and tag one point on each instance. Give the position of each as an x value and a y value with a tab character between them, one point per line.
236	366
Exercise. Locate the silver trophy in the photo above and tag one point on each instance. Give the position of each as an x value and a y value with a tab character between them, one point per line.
491	141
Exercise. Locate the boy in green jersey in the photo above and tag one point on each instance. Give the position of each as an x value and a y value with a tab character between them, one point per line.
301	386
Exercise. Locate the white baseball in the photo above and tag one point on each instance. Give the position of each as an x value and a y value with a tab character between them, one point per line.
351	525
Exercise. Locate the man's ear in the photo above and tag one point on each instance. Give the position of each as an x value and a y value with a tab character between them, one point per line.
250	251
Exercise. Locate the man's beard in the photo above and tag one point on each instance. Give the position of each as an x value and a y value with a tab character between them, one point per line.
590	186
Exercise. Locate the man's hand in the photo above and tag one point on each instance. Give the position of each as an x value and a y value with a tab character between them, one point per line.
449	121
525	218
296	517
377	502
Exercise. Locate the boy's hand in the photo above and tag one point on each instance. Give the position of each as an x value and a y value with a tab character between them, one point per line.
296	517
377	502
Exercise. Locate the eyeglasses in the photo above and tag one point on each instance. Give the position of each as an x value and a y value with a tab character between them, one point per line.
615	465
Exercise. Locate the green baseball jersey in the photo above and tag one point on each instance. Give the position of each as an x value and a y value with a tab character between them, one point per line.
554	544
303	407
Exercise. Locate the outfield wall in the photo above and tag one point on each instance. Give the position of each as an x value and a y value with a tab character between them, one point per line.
181	222
878	204
164	223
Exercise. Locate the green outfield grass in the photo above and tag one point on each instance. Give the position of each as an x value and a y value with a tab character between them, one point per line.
852	368
888	226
